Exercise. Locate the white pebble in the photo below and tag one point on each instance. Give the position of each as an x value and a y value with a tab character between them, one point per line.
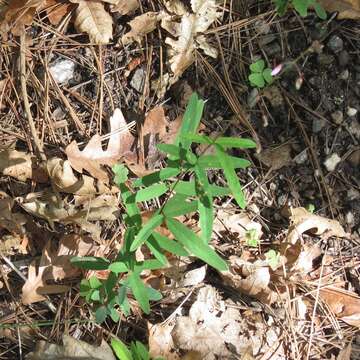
62	71
351	111
332	161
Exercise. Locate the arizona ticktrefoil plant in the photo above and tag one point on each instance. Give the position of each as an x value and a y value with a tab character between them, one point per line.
182	187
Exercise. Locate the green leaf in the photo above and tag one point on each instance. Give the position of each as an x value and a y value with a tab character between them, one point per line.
84	287
153	294
200	139
231	177
320	11
114	314
195	245
146	231
94	282
140	293
191	120
267	76
188	188
95	296
212	162
301	6
157	176
156	250
151	192
101	313
142	351
121	350
118	267
169	245
257	79
151	264
258	66
177	206
272	258
178	152
234	142
90	262
121	173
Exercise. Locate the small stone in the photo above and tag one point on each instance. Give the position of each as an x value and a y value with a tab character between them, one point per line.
349	218
282	200
301	158
332	161
138	80
318	125
335	44
344	75
351	111
338	117
62	70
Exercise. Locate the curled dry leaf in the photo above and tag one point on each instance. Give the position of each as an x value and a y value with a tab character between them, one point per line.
302	221
348	9
54	266
93	156
276	158
92	18
72	349
11	221
250	278
140	26
344	304
57	11
21	166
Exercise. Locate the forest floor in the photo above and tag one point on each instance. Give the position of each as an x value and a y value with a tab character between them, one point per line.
302	189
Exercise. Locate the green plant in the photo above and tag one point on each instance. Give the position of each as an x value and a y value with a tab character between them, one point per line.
183	187
252	238
273	258
136	350
260	76
301	6
310	208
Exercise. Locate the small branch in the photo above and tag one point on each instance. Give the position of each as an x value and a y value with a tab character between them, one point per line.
35	137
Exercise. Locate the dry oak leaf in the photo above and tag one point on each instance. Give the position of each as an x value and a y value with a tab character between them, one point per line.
92	18
348	9
55	265
72	349
344	304
93	156
12	222
302	221
21	166
56	10
140	26
125	7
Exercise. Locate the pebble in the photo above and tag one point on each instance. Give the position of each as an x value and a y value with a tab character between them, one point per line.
344	75
351	111
332	161
301	158
338	117
318	125
335	44
62	70
138	79
349	218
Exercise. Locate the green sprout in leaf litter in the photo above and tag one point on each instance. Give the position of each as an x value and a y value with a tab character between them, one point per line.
273	258
136	350
260	76
310	208
176	197
252	238
301	6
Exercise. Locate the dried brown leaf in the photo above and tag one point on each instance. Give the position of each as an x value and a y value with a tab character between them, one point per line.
276	158
92	18
125	7
140	26
348	9
11	221
72	349
93	156
21	166
302	221
57	11
344	304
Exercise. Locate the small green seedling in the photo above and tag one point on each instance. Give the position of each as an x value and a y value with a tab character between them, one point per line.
272	258
301	6
252	238
311	208
260	76
176	197
136	350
